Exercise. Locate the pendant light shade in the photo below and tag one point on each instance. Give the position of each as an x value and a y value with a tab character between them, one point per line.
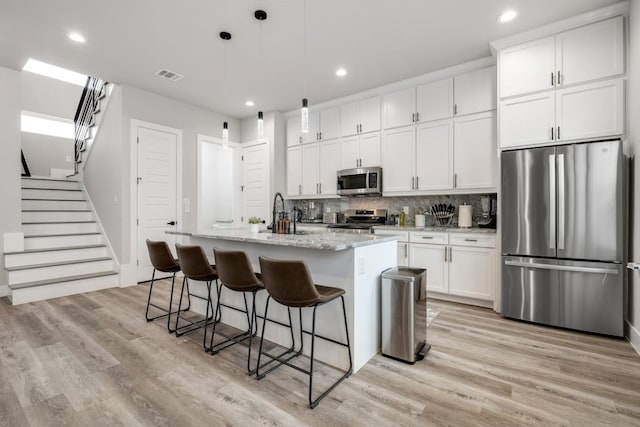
305	116
260	127
225	135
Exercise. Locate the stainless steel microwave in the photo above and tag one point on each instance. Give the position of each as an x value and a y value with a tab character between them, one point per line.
360	182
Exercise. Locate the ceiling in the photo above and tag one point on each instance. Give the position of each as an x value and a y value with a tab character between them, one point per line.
377	41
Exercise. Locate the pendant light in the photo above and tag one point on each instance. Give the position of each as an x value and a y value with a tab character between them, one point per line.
260	15
225	36
305	102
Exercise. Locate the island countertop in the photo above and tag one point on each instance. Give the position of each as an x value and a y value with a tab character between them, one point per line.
311	239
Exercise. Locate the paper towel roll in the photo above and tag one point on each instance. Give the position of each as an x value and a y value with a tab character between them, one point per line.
464	216
419	220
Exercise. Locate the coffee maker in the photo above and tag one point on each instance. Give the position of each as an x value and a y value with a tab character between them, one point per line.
489	206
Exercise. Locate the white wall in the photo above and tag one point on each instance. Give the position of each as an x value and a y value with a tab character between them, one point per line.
104	173
633	299
10	214
149	107
44	152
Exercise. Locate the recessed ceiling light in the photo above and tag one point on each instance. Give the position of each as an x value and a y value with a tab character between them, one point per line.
249	103
54	72
76	37
341	72
507	16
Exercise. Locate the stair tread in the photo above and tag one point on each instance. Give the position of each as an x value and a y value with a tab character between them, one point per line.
52	189
55	264
57	200
44	178
60	222
65	248
56	210
61	235
61	280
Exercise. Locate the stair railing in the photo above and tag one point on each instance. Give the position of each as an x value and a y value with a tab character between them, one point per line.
25	168
84	118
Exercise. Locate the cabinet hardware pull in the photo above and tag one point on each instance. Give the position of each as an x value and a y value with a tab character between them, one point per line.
300	139
417	117
320	135
417	186
558	133
320	188
553	82
552	133
455	109
558	80
470	240
445	254
360	162
455	180
413	182
413	117
299	188
406	251
427	237
450	254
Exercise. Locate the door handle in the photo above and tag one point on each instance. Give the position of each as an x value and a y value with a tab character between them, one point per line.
561	204
552	201
562	267
171	223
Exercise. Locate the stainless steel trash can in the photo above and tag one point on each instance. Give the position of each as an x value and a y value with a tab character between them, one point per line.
404	313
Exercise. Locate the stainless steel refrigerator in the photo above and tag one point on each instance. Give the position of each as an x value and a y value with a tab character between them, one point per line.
562	236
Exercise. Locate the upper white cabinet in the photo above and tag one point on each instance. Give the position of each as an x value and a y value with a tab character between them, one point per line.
360	151
360	116
475	151
475	91
323	125
311	168
434	156
581	55
527	120
329	165
434	101
399	159
294	171
294	131
400	108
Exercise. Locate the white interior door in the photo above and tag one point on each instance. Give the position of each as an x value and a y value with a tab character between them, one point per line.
218	183
255	173
157	192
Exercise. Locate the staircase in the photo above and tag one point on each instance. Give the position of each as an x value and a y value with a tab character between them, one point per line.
64	249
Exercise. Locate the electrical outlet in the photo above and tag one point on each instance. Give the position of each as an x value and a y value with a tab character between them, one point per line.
361	265
68	159
186	204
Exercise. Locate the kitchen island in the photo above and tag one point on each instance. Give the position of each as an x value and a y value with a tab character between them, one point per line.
352	262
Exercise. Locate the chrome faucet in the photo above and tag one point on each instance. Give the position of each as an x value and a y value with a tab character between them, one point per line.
275	199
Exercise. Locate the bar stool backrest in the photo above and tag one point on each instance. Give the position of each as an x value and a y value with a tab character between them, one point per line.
235	270
289	282
194	262
161	256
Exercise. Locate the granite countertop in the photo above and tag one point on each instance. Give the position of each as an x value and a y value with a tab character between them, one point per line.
321	239
440	229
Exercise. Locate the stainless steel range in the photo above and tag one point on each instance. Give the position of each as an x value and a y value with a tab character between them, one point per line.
360	221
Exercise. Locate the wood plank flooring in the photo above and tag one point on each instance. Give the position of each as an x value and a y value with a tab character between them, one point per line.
92	360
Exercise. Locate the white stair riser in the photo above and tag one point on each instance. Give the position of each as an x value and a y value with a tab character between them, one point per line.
58	271
23	259
61	241
52	194
56	290
37	229
54	205
55	216
38	183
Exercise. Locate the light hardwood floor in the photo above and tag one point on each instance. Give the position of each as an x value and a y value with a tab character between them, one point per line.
92	360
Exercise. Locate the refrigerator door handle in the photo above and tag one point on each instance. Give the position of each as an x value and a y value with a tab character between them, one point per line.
562	267
561	202
552	201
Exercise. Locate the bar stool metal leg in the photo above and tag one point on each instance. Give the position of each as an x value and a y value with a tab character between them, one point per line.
236	338
167	311
192	326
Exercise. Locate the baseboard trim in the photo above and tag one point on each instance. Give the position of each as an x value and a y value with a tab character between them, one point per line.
128	275
633	335
4	291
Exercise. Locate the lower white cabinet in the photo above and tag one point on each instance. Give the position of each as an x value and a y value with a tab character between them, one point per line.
472	272
403	244
434	259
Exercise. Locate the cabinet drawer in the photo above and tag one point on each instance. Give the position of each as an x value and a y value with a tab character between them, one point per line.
404	235
434	238
473	239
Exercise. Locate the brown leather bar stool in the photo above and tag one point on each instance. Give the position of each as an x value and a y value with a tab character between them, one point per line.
290	284
195	266
236	273
162	260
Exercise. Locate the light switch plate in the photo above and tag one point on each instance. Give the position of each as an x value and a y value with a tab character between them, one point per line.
186	204
361	265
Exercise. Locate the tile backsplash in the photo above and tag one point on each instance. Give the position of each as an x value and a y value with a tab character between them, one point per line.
416	204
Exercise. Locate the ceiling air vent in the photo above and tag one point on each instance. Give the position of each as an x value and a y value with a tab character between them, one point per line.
171	75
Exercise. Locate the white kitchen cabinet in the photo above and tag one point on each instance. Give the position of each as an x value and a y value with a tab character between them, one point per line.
472	272
434	156
360	116
434	100
590	111
294	131
398	160
527	120
399	108
591	52
294	171
475	151
528	67
329	165
434	259
310	168
475	91
581	55
403	244
323	125
360	151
